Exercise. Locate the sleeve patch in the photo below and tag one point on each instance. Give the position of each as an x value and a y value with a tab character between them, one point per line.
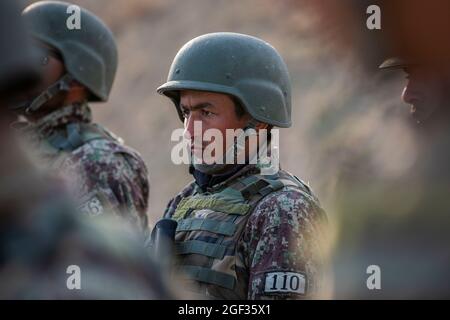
92	207
285	282
98	202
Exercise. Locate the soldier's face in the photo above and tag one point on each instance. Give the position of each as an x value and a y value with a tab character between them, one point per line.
424	92
213	111
52	69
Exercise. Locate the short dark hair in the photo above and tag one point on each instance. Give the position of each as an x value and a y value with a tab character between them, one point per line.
240	112
238	107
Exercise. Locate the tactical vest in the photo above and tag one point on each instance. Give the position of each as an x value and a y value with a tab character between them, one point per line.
210	225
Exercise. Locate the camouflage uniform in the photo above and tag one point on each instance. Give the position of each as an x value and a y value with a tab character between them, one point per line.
103	174
100	170
250	236
243	234
40	233
41	236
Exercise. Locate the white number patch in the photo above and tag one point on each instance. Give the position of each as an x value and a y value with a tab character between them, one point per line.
92	207
285	282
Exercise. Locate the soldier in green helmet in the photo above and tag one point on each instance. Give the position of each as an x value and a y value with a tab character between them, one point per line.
79	65
241	234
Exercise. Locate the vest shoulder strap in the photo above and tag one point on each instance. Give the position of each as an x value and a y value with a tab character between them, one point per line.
263	185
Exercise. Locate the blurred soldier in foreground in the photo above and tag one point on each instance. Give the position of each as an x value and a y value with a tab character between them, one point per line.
241	234
79	65
42	239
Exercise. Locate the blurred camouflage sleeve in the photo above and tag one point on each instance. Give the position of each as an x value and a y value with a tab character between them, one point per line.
281	246
106	177
51	240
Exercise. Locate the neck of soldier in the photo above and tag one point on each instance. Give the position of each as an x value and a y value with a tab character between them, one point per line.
205	180
43	127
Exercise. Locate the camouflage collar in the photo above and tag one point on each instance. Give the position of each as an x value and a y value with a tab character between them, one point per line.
215	182
45	126
227	178
247	169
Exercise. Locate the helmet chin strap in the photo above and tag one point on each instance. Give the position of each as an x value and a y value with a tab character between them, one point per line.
234	150
63	84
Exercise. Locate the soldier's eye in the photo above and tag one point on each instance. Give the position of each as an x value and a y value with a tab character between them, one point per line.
206	113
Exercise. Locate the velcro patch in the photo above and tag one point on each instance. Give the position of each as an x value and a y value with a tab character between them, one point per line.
285	282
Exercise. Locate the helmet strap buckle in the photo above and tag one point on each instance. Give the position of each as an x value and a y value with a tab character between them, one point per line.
63	84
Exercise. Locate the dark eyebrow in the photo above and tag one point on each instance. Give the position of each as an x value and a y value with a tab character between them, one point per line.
202	105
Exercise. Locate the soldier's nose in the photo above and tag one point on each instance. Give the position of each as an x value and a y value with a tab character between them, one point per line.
409	96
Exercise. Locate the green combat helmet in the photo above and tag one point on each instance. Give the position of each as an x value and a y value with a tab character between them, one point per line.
243	66
89	52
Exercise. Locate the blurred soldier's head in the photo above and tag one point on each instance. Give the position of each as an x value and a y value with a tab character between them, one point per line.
17	71
427	90
76	53
228	81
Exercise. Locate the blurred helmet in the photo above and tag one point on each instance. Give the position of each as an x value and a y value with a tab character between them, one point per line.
17	71
242	66
89	53
395	63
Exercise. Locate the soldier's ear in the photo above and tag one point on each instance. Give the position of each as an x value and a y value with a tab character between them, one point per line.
77	92
76	85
